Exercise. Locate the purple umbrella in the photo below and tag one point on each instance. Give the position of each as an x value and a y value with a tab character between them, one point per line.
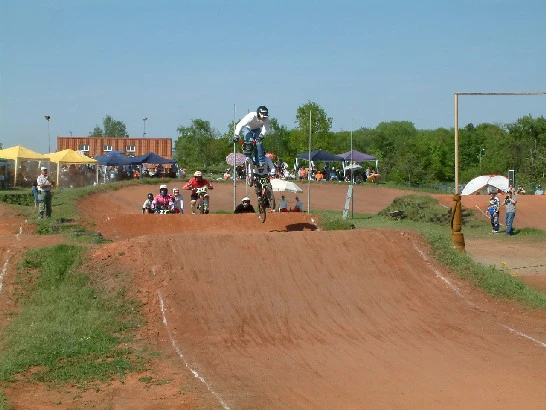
239	158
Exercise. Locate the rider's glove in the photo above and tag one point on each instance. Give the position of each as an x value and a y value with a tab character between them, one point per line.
259	138
235	138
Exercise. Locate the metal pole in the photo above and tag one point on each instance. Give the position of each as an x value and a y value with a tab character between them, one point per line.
234	165
48	117
144	130
309	168
482	150
456	215
456	143
351	164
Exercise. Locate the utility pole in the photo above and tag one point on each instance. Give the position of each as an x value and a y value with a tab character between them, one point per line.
48	118
482	152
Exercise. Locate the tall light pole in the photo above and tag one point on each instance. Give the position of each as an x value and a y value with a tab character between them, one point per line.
48	117
482	152
144	132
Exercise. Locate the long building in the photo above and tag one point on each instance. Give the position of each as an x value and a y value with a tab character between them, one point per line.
94	146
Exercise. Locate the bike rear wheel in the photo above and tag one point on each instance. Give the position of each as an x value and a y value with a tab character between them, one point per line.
262	211
270	197
201	206
249	167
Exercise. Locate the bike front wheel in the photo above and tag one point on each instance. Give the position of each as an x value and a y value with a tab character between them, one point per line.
249	167
262	210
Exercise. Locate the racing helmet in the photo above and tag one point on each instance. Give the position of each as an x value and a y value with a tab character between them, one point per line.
197	174
245	199
150	196
163	189
262	112
176	191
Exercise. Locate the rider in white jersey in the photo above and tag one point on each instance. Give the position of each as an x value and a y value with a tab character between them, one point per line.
256	125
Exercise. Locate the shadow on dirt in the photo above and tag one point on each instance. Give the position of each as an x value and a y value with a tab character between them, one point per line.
301	227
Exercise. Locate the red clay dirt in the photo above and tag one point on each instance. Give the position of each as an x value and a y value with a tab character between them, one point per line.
283	315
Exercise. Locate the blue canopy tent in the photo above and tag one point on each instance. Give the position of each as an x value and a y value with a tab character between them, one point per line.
153	158
319	155
357	156
117	159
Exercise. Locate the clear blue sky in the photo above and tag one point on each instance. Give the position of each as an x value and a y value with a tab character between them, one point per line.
172	61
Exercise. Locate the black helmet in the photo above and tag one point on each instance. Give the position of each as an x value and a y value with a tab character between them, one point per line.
262	111
150	196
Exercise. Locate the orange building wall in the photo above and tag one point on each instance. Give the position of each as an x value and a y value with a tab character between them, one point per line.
161	146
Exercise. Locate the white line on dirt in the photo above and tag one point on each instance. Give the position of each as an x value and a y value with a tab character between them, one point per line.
538	342
3	272
6	262
455	289
181	355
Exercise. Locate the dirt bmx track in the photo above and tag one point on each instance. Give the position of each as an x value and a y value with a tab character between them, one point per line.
282	315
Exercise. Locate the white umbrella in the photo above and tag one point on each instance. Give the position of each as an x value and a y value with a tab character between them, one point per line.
353	167
284	186
496	181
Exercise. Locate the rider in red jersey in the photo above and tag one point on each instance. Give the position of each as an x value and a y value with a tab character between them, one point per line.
197	182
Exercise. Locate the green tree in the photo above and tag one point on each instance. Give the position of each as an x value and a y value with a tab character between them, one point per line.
111	128
527	146
97	132
199	145
320	128
392	142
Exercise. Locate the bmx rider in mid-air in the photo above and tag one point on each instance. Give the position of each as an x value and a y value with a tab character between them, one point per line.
256	125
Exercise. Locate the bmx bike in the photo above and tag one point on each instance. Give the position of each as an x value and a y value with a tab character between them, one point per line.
202	202
256	177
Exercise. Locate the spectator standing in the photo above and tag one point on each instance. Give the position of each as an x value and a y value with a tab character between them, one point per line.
44	193
510	203
493	209
244	207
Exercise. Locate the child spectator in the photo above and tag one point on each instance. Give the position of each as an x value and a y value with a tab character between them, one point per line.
178	201
493	209
35	193
147	205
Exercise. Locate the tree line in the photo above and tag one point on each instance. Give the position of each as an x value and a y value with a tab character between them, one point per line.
405	154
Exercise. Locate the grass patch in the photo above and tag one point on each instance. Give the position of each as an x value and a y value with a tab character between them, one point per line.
425	215
65	330
333	221
420	208
531	233
4	403
492	280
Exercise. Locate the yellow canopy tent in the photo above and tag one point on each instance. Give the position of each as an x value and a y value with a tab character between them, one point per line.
69	156
20	153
